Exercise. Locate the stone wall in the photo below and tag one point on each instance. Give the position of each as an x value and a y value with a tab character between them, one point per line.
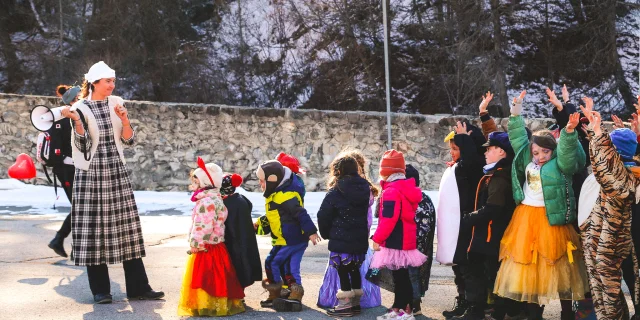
170	136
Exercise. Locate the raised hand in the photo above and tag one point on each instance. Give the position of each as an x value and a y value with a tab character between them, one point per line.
635	123
565	94
587	107
516	106
486	99
574	120
637	104
617	122
461	128
554	100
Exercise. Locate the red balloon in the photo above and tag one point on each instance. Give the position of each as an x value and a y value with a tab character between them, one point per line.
23	169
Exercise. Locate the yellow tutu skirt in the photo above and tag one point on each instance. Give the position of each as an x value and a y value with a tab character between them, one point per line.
197	302
540	262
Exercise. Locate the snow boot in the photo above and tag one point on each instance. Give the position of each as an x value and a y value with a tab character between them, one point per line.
345	304
274	293
293	303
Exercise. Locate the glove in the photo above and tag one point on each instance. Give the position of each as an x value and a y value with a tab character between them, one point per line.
516	107
470	217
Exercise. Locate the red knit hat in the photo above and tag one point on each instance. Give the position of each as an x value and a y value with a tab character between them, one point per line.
290	162
392	162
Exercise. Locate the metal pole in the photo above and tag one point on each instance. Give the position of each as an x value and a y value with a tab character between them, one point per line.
386	70
60	43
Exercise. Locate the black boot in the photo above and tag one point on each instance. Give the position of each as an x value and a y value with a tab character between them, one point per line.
473	312
57	244
459	308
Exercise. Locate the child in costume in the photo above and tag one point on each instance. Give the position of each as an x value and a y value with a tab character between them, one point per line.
210	286
291	229
297	185
395	238
369	295
239	237
425	232
607	232
540	251
456	197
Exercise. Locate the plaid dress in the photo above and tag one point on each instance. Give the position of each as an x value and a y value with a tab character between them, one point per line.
105	222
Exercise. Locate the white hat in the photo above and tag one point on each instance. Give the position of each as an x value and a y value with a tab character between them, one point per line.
98	71
216	174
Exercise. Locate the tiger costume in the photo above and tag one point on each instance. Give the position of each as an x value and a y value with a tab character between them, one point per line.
606	234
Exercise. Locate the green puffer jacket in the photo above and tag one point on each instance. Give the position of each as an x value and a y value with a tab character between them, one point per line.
556	175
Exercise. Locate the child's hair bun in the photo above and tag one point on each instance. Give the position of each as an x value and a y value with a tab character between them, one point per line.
236	180
61	89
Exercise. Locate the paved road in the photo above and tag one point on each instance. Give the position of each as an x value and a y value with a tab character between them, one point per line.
37	284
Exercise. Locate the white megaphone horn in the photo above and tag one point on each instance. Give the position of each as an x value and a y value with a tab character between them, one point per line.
43	118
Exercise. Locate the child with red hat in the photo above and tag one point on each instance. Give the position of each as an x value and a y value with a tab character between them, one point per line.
395	238
239	236
210	286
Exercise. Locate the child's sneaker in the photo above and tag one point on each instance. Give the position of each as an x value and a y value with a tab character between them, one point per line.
389	315
401	315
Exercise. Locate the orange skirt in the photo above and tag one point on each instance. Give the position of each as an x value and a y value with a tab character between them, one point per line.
540	262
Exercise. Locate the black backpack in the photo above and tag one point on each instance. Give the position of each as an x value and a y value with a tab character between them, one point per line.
51	149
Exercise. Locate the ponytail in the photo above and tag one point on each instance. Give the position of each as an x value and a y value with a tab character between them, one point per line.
85	89
61	89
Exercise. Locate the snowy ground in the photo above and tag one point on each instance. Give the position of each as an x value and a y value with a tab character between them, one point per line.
18	198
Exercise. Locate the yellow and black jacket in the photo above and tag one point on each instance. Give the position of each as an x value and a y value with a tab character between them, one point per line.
287	220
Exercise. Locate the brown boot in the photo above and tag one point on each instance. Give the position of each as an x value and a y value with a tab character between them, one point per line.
274	293
293	303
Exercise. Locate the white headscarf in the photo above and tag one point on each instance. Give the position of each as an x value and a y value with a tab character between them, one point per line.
98	71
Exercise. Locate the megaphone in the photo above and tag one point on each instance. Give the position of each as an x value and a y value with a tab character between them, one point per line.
43	118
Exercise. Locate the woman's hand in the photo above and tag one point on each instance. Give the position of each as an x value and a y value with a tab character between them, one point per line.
574	120
554	100
486	99
122	113
516	106
68	113
194	250
594	117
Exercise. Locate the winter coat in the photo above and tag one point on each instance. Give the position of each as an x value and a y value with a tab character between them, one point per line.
494	208
396	223
468	173
241	241
556	174
342	218
207	219
562	118
286	219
